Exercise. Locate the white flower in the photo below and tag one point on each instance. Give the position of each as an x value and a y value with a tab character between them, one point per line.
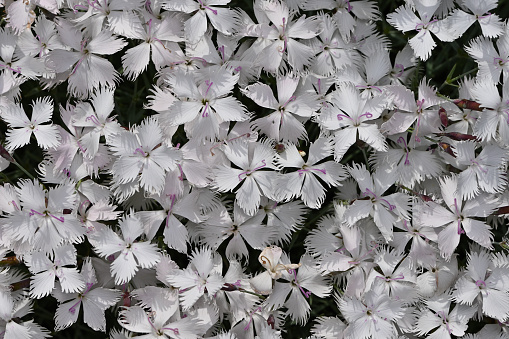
482	172
304	182
397	276
292	108
457	217
493	122
270	260
344	12
202	275
225	20
384	209
94	119
348	117
250	158
204	102
155	36
44	40
491	24
492	61
22	128
422	252
282	37
46	271
85	70
157	325
355	258
69	154
438	277
130	254
245	229
412	165
408	110
232	299
437	316
405	20
373	316
143	156
40	221
485	283
95	301
12	60
11	326
333	52
302	283
175	204
117	15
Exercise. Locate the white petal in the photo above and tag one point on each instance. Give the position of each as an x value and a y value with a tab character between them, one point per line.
448	240
248	196
372	136
236	248
261	94
152	177
176	235
47	136
146	254
403	19
225	21
478	231
227	178
182	112
93	316
15	330
343	139
196	27
124	267
71	280
422	44
42	284
272	56
313	193
18	137
126	168
347	99
42	110
105	43
262	283
495	304
135	60
359	209
230	109
492	26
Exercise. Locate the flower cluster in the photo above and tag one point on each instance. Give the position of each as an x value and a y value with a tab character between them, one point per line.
294	133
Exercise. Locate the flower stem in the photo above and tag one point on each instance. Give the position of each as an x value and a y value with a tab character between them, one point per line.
450	81
24	170
253	293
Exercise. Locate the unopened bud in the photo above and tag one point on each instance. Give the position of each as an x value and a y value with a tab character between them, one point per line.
502	210
426	198
443	116
447	148
9	261
280	148
468	104
457	136
271	321
229	287
5	154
